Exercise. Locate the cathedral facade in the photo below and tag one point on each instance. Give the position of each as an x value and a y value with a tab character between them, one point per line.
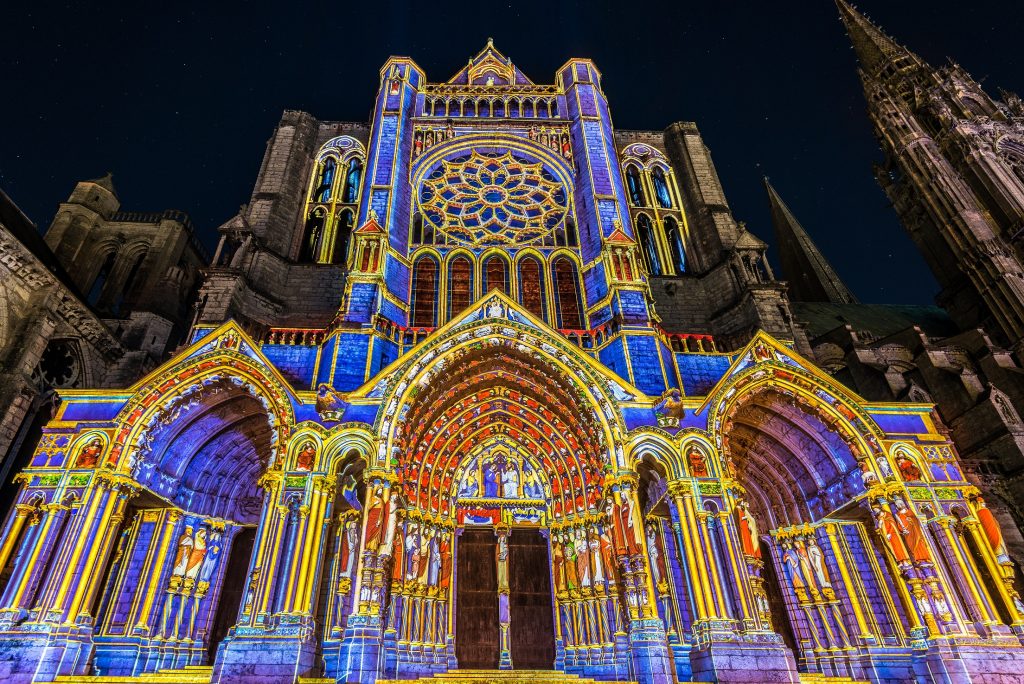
488	384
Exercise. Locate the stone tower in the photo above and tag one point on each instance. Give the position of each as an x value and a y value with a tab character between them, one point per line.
954	171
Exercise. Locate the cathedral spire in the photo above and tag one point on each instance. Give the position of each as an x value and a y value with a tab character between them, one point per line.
873	47
810	275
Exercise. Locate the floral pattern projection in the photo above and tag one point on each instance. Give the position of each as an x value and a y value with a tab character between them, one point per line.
295	507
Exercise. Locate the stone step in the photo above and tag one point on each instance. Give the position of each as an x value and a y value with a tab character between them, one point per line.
501	677
190	674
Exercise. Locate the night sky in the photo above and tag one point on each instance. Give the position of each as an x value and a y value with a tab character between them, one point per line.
179	102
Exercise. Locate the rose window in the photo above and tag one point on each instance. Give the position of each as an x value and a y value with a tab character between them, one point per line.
493	199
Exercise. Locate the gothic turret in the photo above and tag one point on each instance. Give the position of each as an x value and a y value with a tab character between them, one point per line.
810	275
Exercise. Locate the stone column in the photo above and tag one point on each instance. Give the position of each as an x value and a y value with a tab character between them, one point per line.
504	614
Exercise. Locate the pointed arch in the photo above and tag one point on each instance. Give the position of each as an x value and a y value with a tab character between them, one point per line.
566	289
648	247
532	288
675	244
634	185
426	273
495	273
460	283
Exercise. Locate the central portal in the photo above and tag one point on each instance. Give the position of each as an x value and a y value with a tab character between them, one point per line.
530	602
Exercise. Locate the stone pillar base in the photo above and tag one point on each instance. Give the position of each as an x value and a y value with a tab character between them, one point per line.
41	656
952	662
359	656
648	649
264	659
728	662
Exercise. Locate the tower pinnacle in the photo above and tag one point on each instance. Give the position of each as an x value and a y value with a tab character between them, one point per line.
873	47
810	275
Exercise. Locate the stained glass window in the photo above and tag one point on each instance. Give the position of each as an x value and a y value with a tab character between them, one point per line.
645	234
636	189
341	239
355	169
460	285
325	180
424	293
493	199
675	243
531	287
313	235
567	294
661	189
496	274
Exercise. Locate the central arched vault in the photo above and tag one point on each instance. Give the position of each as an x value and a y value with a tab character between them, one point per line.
493	391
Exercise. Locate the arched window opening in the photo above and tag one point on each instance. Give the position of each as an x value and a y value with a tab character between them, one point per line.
96	291
355	170
675	243
571	237
567	294
661	189
424	293
460	285
339	254
417	229
636	188
496	274
645	234
325	180
313	235
129	284
531	287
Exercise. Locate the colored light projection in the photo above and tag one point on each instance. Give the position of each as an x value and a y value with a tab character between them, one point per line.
492	199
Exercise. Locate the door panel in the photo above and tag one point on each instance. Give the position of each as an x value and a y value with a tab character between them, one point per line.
476	600
532	625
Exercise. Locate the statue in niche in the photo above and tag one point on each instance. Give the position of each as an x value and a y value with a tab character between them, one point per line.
571	572
213	548
434	572
867	476
806	568
582	557
558	563
412	551
196	555
90	455
607	554
993	533
791	559
595	556
817	558
184	549
349	544
657	562
913	531
306	457
883	466
908	469
330	405
891	534
698	463
392	525
748	531
445	551
375	519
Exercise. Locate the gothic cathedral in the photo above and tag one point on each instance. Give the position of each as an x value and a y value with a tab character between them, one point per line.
485	387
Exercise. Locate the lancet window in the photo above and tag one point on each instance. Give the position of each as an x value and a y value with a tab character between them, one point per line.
496	274
651	189
531	287
567	294
460	285
424	292
645	235
332	202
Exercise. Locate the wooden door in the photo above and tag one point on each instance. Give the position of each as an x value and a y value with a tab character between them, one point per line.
476	600
532	623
